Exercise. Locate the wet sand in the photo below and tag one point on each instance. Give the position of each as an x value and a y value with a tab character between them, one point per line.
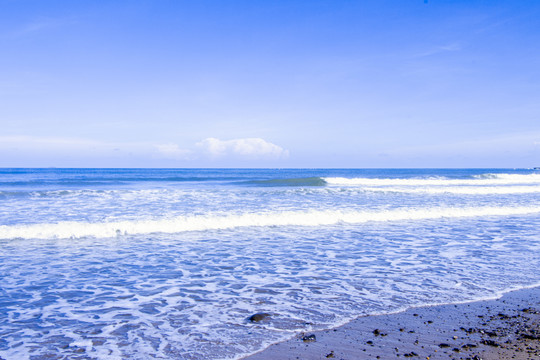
506	328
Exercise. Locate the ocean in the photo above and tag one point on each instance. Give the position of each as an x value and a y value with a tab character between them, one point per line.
171	263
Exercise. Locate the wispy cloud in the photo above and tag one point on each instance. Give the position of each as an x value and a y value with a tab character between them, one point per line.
438	50
496	144
173	151
39	25
247	148
209	148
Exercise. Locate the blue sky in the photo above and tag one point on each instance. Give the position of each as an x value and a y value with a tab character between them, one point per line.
270	83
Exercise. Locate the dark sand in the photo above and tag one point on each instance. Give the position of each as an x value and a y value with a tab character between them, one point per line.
506	328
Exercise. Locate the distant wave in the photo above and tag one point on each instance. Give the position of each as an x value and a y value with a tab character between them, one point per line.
462	190
485	179
310	181
215	222
103	180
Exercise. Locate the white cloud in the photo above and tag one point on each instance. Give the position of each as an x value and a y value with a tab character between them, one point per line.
173	151
69	151
247	147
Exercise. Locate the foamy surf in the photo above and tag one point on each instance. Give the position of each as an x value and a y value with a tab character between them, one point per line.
72	229
484	179
207	248
462	190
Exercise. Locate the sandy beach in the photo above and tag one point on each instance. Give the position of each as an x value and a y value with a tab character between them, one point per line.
505	328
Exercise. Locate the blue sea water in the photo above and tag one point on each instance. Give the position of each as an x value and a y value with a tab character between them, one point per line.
170	263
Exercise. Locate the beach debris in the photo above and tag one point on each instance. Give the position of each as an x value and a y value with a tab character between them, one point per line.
490	343
330	355
529	336
309	338
258	317
376	332
444	345
411	354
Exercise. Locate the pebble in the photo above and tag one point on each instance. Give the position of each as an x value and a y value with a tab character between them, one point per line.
258	317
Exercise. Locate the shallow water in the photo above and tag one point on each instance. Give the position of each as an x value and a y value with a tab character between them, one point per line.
169	264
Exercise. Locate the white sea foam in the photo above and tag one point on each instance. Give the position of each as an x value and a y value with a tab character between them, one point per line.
463	190
486	179
74	229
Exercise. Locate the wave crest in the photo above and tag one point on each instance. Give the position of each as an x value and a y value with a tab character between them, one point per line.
485	179
72	229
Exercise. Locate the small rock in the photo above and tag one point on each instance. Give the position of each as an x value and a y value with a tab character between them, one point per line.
331	354
443	345
376	332
529	337
490	343
309	338
258	317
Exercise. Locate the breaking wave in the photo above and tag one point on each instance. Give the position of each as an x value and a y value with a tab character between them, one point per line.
310	181
73	229
461	190
485	179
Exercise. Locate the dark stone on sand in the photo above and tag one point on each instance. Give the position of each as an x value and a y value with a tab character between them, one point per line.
330	355
411	354
443	345
258	317
376	332
529	336
469	330
490	343
309	338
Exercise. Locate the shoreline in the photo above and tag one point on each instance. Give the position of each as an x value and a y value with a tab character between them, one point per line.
504	328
